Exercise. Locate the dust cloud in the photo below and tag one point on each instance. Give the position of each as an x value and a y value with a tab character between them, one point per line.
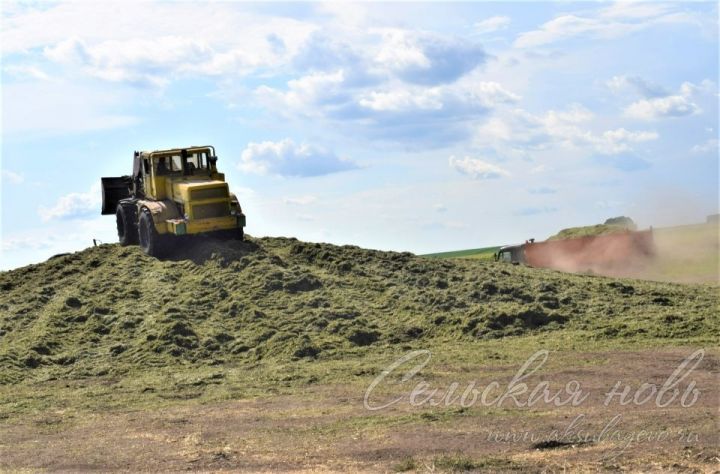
683	254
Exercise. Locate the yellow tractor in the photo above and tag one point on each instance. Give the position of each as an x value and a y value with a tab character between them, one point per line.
172	193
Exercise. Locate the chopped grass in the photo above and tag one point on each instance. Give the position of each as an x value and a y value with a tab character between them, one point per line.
110	328
599	229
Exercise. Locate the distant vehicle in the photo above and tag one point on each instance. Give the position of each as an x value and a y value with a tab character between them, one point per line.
587	252
172	193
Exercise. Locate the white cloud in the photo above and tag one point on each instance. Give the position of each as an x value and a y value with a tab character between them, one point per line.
393	111
677	105
671	106
128	44
73	205
710	145
478	169
522	130
616	141
306	95
12	177
491	24
152	61
634	10
402	99
428	59
400	50
285	158
617	20
471	94
568	26
26	71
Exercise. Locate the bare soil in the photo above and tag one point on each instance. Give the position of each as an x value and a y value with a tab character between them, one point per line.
327	428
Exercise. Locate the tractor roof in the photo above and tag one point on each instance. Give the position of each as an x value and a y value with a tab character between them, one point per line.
177	151
510	247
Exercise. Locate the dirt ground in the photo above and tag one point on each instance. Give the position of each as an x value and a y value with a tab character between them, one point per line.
328	427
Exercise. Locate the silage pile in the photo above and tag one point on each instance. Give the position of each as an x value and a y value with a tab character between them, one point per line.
111	309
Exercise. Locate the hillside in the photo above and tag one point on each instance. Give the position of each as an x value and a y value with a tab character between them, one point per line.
113	310
255	356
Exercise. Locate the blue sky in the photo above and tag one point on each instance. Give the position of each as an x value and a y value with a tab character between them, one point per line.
405	126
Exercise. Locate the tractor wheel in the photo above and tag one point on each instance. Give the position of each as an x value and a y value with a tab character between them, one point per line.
126	227
149	238
240	234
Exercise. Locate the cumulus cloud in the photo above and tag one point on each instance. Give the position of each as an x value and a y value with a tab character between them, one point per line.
480	95
478	169
657	102
391	83
492	24
321	52
128	48
73	205
616	141
562	128
679	104
147	61
285	158
311	95
392	111
423	58
662	107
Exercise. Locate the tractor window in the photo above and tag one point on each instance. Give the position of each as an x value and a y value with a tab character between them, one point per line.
506	256
197	160
175	163
162	168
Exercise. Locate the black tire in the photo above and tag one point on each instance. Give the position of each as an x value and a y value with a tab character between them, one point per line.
148	236
126	226
240	234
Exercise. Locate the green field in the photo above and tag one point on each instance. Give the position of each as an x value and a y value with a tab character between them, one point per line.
484	253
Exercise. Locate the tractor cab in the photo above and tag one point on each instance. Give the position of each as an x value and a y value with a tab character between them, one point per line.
511	254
